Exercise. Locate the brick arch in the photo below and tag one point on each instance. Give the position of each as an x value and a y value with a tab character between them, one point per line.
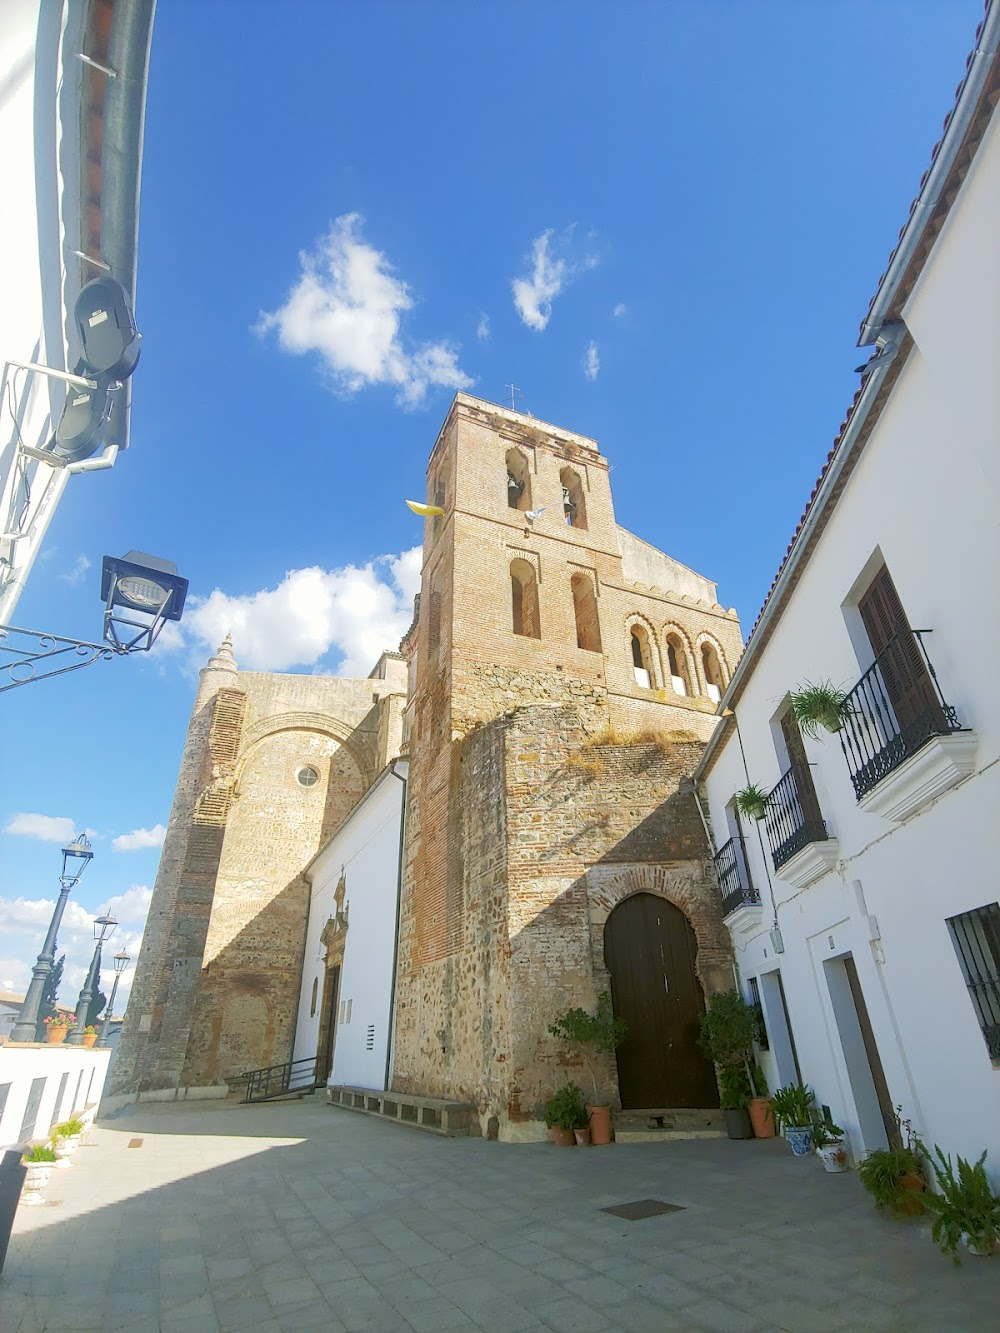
693	677
322	724
640	622
689	888
703	638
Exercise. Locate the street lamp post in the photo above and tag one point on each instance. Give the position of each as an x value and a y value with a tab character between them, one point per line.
103	927
76	857
122	961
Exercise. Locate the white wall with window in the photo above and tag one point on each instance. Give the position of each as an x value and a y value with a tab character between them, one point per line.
354	890
875	939
42	1085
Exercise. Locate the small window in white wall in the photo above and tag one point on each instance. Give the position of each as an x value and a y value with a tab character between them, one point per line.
343	1010
349	1004
976	937
370	1038
312	1000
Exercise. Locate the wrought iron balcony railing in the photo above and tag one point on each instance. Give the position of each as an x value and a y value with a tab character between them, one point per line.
734	877
792	816
895	708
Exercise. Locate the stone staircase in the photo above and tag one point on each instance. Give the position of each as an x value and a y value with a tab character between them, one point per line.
662	1124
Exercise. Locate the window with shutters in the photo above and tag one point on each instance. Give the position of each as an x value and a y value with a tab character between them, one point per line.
976	937
896	707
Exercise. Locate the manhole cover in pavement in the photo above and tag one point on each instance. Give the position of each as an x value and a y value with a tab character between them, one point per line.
634	1212
135	1143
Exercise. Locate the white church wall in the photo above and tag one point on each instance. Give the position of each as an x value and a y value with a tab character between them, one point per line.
923	499
366	851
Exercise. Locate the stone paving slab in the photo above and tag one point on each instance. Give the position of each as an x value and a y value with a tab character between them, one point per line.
302	1216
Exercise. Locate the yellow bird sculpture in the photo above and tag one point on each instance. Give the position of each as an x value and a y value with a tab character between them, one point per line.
425	511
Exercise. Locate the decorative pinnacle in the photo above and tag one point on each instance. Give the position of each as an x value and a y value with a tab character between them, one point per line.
224	659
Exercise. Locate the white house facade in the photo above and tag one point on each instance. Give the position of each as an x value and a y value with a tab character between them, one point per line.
865	905
345	1012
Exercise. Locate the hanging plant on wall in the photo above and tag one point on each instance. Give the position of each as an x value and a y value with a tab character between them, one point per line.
821	705
752	802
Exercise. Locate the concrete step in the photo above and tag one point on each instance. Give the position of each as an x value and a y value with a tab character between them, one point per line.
663	1123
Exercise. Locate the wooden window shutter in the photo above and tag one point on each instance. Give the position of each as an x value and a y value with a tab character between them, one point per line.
907	680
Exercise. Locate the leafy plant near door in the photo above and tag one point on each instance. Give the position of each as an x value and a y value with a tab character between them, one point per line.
896	1177
794	1110
596	1034
728	1028
965	1206
821	705
566	1111
752	801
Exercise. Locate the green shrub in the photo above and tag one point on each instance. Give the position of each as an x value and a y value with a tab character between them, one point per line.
600	1032
793	1106
964	1203
40	1153
566	1109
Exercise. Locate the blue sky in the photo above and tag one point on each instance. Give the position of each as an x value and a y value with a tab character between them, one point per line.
338	200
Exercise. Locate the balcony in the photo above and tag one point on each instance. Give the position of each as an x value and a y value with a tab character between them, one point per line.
801	848
740	900
899	738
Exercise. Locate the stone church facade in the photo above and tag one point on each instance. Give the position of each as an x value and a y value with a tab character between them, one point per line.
560	680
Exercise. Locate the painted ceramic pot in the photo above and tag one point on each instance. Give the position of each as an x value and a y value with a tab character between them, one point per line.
833	1156
799	1139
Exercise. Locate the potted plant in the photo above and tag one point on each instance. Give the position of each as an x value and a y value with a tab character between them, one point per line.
752	801
56	1027
67	1136
821	705
597	1034
966	1207
792	1107
39	1161
565	1112
728	1029
896	1177
828	1140
89	1035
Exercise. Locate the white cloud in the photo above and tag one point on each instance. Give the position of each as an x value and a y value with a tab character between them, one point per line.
47	828
591	361
358	612
130	907
75	575
139	839
483	327
620	309
347	306
550	274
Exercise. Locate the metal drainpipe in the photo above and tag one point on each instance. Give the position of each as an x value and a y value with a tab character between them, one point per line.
395	941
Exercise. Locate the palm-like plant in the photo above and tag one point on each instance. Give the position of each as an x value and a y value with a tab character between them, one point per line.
821	705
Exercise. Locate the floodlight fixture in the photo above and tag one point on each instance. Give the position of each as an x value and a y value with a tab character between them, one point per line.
111	342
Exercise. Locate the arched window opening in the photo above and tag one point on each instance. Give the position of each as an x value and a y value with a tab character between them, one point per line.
715	681
677	665
642	658
588	627
518	481
439	490
574	504
524	600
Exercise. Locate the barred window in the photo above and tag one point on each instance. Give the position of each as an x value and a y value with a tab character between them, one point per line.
976	937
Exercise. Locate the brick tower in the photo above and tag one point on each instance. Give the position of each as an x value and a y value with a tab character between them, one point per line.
564	677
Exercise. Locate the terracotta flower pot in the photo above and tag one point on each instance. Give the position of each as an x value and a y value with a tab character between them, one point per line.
600	1124
582	1137
54	1035
562	1138
910	1204
761	1117
89	1038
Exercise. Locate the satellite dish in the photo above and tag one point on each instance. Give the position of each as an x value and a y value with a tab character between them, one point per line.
79	433
111	342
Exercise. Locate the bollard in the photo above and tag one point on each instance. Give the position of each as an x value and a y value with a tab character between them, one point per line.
12	1173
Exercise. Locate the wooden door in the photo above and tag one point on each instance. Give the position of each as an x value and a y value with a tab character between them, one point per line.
650	950
328	1027
907	680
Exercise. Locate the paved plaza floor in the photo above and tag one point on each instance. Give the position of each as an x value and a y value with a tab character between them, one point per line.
301	1216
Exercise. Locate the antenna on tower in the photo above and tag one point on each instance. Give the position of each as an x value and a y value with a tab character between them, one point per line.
515	392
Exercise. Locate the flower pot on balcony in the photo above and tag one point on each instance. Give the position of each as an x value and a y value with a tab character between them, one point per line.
761	1117
54	1036
89	1040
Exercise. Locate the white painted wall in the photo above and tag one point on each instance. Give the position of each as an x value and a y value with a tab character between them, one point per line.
926	494
85	1073
366	849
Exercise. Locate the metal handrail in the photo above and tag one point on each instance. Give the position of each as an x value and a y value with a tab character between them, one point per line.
737	886
277	1080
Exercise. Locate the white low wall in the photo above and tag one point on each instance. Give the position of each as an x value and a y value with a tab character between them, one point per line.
70	1079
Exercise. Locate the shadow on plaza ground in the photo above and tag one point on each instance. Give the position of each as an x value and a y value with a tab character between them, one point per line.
304	1216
